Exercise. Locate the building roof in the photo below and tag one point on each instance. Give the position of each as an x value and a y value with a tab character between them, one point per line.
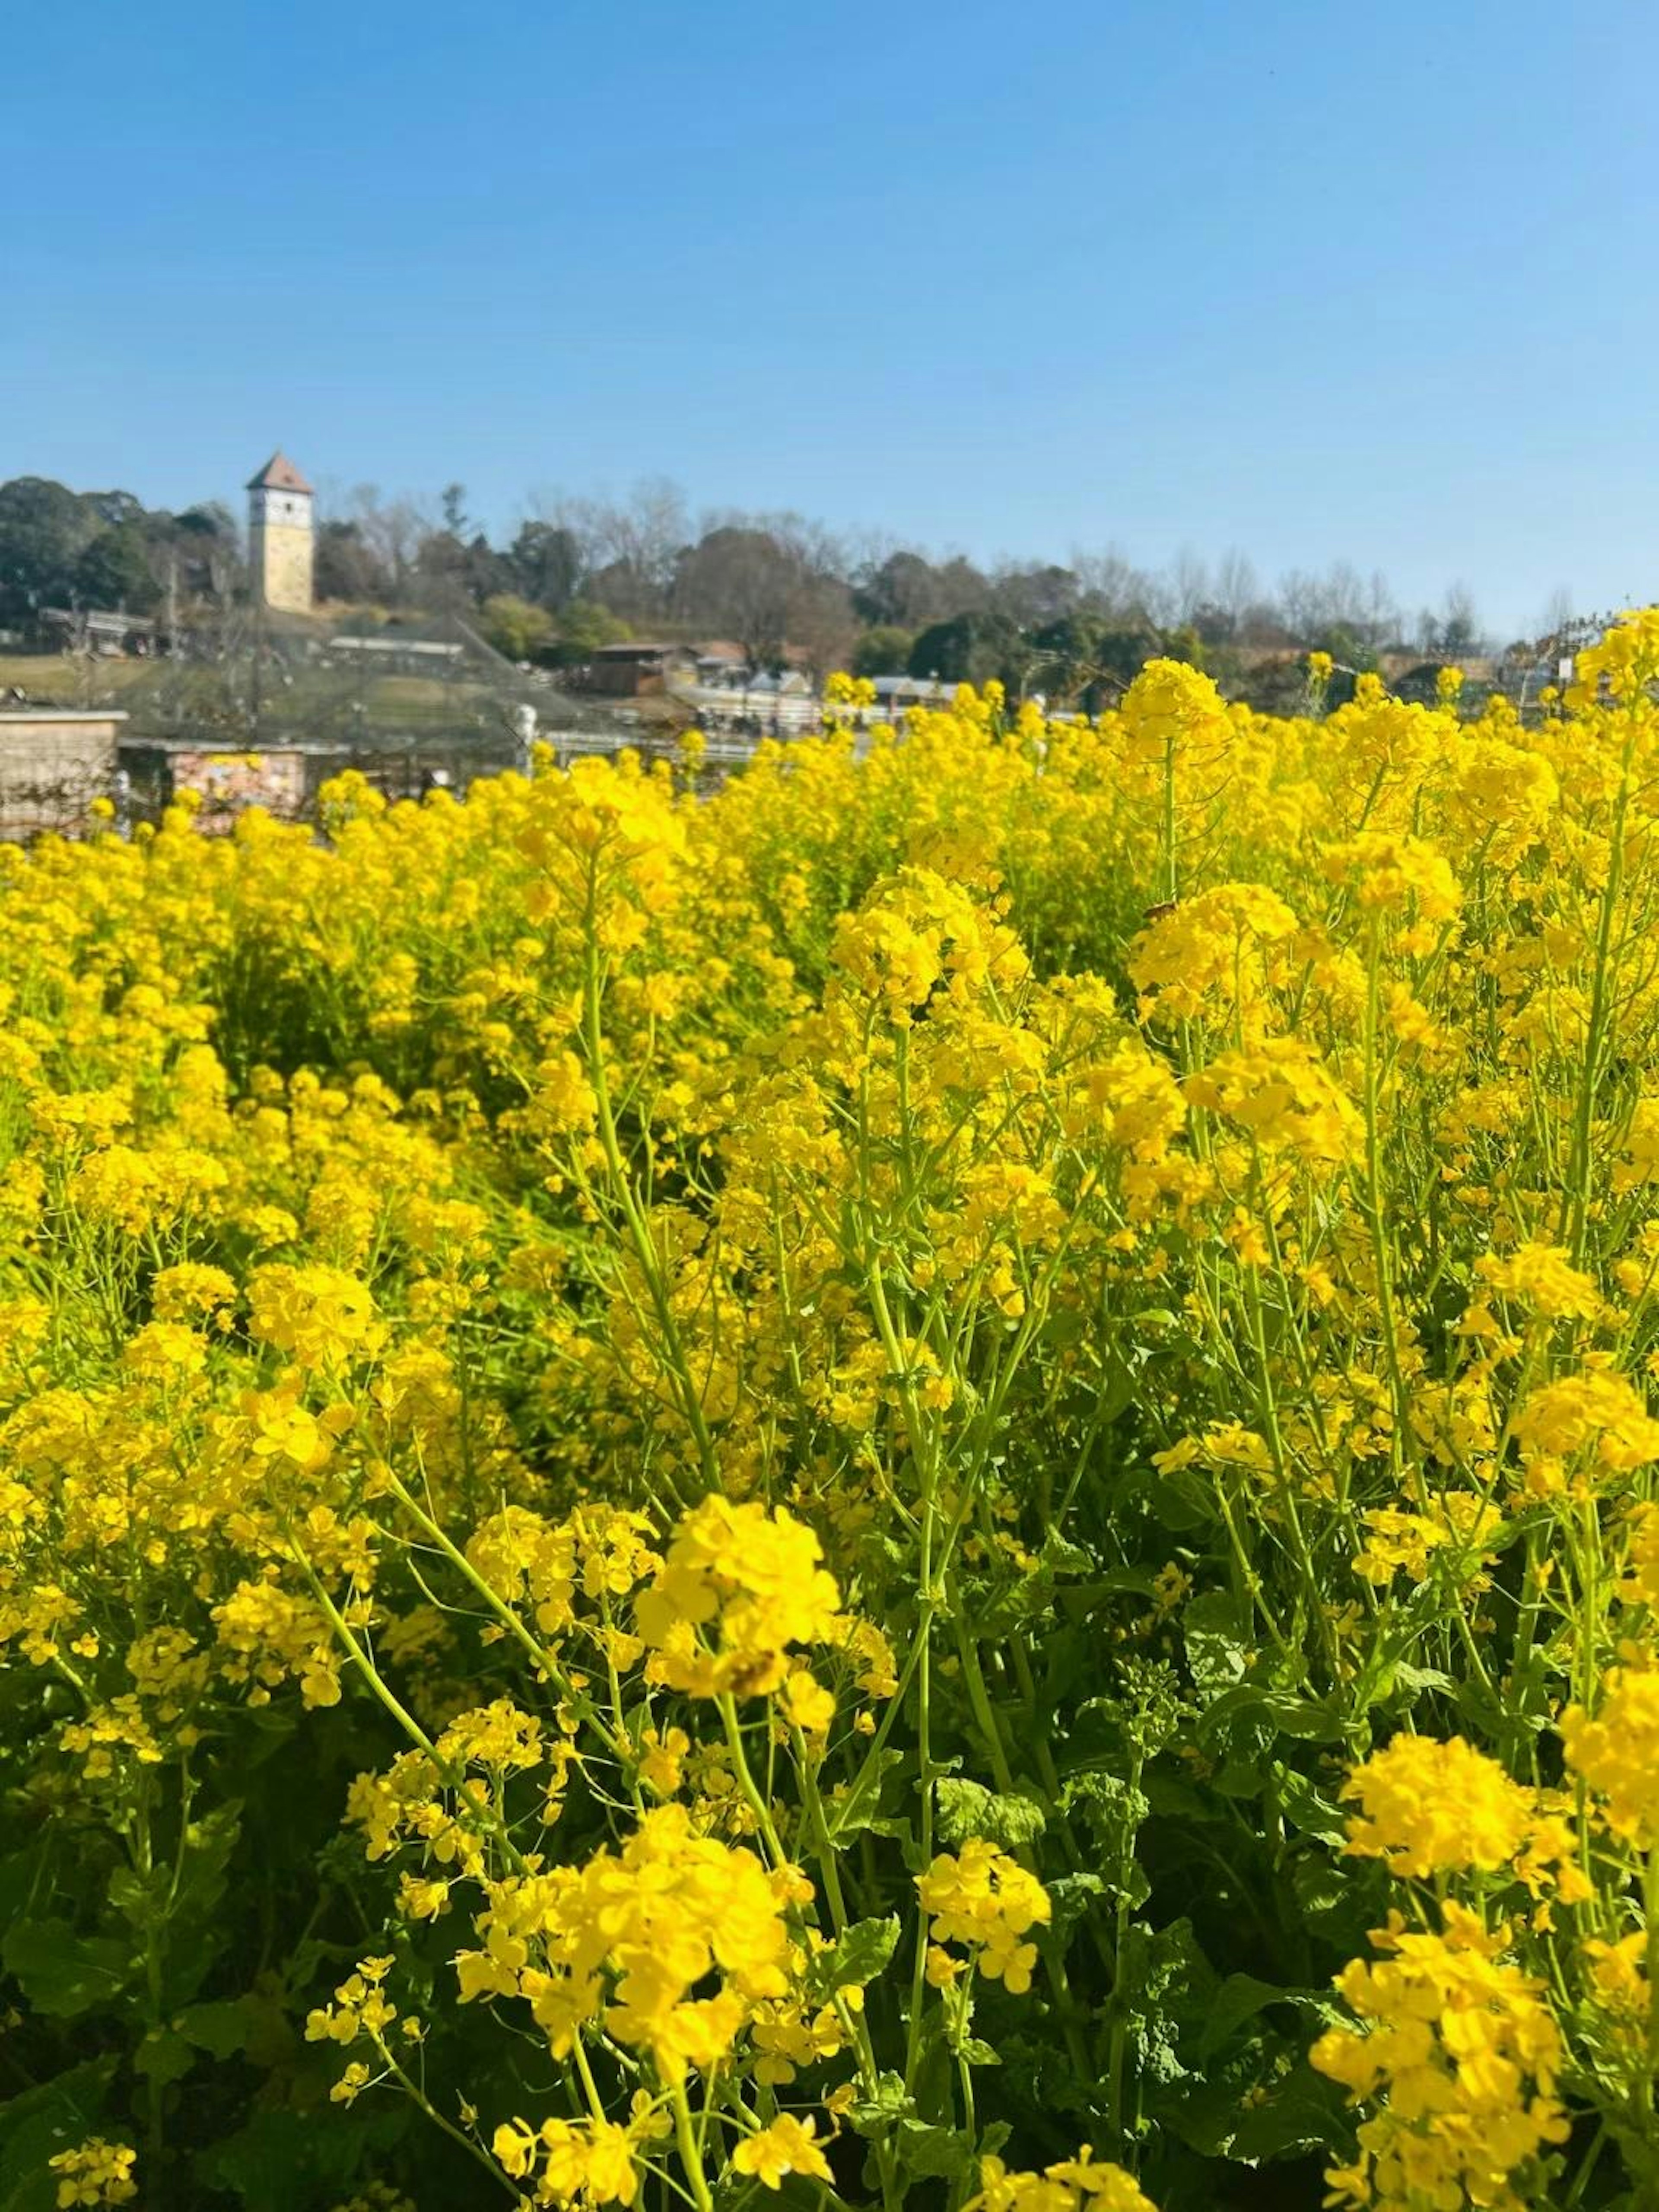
278	474
10	714
346	643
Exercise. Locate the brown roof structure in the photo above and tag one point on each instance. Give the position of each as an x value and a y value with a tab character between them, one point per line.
278	474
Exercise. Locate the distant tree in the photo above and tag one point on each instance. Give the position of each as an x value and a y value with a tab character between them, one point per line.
907	590
1213	623
1182	643
451	571
629	550
546	562
44	530
581	629
483	571
963	587
114	509
114	571
1087	659
393	529
440	578
770	583
209	546
1234	590
452	505
738	581
970	648
1350	650
1313	608
1558	612
346	567
1187	586
1110	587
1460	625
820	621
1067	659
1032	597
516	627
902	593
884	650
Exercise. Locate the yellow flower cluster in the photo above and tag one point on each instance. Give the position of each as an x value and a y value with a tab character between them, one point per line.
1082	2184
624	1940
95	2172
749	1583
593	2160
1430	1807
982	1899
1617	1750
1460	2053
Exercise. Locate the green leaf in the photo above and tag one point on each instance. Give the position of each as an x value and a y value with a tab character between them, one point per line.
974	2050
1218	1647
19	1874
1064	1556
1181	1501
164	2056
860	1808
966	1809
858	1956
283	2158
931	2153
62	1974
1306	2115
879	2114
1241	1998
1175	1800
1313	1720
1112	1809
1070	1897
204	1875
140	1899
1308	1811
221	2029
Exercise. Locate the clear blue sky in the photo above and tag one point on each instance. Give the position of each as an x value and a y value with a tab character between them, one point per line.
1319	281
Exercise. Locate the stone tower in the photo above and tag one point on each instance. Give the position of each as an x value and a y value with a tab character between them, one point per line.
280	537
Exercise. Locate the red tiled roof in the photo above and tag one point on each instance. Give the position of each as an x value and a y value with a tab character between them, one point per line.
278	474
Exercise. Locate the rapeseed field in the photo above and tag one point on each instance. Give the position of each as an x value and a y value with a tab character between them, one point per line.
927	1480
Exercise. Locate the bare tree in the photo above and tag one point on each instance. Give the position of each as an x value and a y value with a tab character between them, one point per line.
391	531
737	580
1110	584
1381	614
630	549
1460	625
1558	613
1188	584
1235	588
770	581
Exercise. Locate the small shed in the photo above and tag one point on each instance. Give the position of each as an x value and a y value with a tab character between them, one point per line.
54	762
637	670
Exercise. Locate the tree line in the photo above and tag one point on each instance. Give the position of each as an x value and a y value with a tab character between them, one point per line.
60	548
580	573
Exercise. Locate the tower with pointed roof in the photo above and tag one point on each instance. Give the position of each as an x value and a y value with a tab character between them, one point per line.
280	537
